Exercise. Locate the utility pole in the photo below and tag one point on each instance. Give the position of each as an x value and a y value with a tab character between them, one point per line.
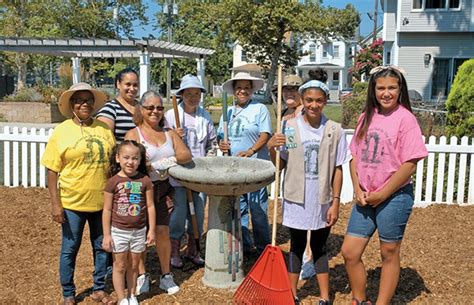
170	8
375	19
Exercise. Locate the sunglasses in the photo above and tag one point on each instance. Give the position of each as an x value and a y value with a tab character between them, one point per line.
80	101
153	107
385	68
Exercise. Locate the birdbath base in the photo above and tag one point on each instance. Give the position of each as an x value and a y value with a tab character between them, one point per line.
224	255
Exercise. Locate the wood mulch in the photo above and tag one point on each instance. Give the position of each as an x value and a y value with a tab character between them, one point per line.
437	259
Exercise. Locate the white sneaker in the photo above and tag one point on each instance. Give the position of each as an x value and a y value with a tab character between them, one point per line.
124	302
132	300
167	283
143	284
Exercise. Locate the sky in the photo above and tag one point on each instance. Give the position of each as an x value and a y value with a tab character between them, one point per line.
363	6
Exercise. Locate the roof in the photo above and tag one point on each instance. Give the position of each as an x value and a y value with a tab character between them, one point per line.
101	48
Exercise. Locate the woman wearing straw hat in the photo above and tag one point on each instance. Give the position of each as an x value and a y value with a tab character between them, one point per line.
76	158
164	149
249	131
197	131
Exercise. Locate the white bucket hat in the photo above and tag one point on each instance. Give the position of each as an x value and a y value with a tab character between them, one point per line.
228	86
190	81
64	104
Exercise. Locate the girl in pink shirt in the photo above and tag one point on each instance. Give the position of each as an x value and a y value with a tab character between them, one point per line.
386	146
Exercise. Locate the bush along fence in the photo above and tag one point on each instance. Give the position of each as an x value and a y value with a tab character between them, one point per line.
445	176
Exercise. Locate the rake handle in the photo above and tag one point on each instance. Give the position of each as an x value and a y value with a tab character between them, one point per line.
277	159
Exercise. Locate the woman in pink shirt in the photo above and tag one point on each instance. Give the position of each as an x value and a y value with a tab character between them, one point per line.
386	146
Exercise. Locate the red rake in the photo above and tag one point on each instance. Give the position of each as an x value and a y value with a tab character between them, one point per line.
267	282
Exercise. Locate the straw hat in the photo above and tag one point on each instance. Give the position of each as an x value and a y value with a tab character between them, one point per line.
64	101
190	81
291	80
257	83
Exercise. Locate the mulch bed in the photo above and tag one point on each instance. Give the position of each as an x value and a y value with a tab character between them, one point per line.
437	259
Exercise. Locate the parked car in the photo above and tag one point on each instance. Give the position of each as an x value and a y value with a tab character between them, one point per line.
344	93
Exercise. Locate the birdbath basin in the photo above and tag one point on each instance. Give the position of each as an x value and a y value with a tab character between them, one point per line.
224	179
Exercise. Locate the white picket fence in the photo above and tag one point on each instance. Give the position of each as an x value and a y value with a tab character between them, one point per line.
22	150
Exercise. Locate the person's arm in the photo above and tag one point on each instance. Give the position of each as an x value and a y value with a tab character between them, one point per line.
57	211
261	141
360	195
397	180
333	211
107	243
183	154
132	134
150	206
274	143
110	123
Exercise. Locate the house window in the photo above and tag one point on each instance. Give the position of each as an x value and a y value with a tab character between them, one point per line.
335	79
436	4
444	72
312	53
325	50
336	52
243	56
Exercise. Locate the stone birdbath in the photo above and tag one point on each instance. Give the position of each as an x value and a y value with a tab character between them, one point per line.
224	179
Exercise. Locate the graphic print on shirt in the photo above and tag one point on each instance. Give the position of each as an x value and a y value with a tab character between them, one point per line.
373	152
311	152
190	138
95	149
130	195
237	127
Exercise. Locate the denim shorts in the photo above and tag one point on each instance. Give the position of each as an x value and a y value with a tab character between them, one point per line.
133	240
389	218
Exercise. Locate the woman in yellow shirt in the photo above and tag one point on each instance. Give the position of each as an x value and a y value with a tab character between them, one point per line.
76	157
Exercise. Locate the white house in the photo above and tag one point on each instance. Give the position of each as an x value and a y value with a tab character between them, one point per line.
334	56
429	39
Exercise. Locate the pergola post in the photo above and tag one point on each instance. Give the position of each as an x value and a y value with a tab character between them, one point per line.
201	70
144	71
76	70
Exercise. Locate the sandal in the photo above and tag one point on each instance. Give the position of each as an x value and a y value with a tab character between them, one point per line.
101	296
69	301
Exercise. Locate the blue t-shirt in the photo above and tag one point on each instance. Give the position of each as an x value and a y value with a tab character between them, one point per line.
245	126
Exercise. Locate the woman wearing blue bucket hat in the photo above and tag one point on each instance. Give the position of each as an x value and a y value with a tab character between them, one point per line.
197	131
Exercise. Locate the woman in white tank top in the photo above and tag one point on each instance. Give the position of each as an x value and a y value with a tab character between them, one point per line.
164	148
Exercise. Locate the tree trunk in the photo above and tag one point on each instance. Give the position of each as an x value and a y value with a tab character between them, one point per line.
21	61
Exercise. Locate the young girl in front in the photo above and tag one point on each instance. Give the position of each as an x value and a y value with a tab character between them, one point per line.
314	149
128	205
386	146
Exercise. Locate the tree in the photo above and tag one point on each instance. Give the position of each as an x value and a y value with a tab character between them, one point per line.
460	103
263	28
196	25
368	58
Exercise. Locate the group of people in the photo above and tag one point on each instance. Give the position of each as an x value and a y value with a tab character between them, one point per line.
111	170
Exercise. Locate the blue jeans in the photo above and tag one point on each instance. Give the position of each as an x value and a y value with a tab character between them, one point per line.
181	213
390	217
72	231
257	203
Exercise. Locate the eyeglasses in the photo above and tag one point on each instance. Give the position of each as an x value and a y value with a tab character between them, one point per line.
80	101
153	107
385	68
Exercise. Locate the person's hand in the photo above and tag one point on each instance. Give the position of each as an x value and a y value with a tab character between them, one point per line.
180	132
375	198
277	140
150	237
57	212
164	164
107	243
246	154
360	196
224	147
333	214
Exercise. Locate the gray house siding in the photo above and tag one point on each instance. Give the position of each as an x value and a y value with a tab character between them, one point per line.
411	50
440	20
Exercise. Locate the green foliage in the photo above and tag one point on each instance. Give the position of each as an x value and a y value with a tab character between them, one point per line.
353	105
368	58
460	103
25	95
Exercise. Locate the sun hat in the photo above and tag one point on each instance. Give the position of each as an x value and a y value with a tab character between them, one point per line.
228	86
291	80
190	81
314	84
64	104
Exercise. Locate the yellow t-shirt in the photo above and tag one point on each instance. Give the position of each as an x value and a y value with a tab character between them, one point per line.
80	155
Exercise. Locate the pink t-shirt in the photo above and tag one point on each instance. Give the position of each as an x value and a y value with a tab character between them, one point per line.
391	140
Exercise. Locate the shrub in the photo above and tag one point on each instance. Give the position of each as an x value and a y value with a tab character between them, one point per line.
353	105
460	103
25	95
